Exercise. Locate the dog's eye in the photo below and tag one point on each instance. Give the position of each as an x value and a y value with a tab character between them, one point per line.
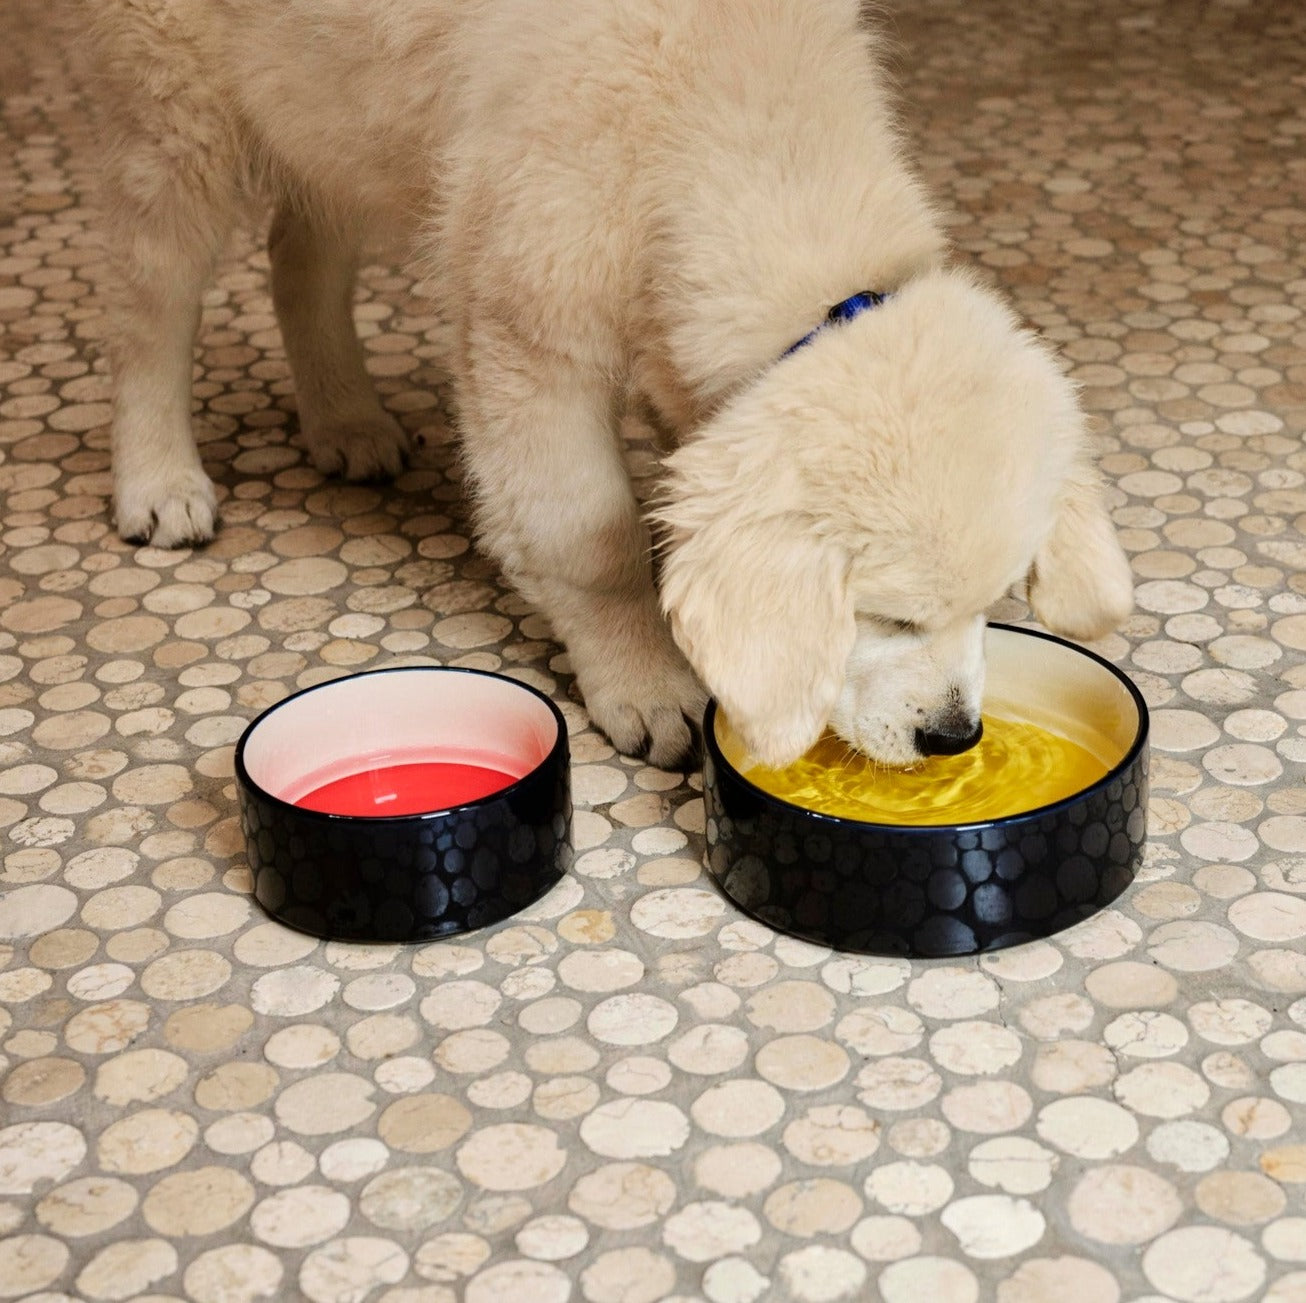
900	626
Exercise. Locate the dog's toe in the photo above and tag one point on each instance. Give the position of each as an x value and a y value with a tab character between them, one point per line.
370	449
180	515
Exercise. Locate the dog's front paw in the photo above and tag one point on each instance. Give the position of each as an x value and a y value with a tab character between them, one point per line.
656	716
178	512
370	448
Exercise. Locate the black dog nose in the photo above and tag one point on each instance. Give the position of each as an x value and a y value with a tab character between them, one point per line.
949	739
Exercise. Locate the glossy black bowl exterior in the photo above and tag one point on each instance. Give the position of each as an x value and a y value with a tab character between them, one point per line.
926	891
410	877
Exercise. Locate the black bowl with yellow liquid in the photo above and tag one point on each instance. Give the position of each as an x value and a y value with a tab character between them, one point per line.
947	884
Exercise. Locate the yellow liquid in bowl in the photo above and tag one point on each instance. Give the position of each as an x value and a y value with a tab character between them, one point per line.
1016	766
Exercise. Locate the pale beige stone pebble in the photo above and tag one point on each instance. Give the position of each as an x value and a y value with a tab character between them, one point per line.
303	1045
940	1280
1229	1021
553	1237
987	1107
293	992
349	1269
790	1006
921	1137
200	1201
881	1030
127	1268
734	1280
632	1018
325	1104
423	1123
500	1090
233	1273
1052	1016
704	1230
885	1238
511	1156
601	970
1145	1034
297	1217
1087	1128
975	1048
832	1135
638	1074
677	913
814	1206
1045	1280
1013	1164
622	1196
1123	1204
819	1273
353	1159
948	993
994	1225
737	1171
709	1049
910	1188
147	1141
1204	1264
30	1262
1187	1145
88	1205
451	1255
237	1086
281	1163
628	1275
1285	1239
636	1128
1161	1090
515	1280
1239	1198
560	1099
1071	1067
896	1083
738	1108
801	1063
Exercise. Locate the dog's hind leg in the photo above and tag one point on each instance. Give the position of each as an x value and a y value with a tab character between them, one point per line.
557	511
342	421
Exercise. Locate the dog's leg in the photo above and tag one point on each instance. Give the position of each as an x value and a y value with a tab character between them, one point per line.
168	218
342	421
556	510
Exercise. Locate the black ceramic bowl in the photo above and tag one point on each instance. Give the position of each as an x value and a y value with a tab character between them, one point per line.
362	747
949	889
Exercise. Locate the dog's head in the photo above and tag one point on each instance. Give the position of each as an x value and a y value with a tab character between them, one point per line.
837	530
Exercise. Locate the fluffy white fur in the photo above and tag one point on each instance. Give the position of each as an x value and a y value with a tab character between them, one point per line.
617	199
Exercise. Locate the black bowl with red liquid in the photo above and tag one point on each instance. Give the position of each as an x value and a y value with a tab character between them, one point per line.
405	804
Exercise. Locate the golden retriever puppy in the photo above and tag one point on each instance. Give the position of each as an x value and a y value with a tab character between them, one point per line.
658	198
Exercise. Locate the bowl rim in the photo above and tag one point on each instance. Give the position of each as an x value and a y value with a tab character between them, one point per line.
556	756
713	749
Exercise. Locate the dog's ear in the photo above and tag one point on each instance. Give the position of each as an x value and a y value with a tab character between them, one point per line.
762	612
1080	584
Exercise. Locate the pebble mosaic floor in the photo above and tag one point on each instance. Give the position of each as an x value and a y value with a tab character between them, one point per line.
633	1093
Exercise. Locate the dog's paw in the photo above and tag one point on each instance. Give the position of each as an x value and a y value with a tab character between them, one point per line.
371	448
657	719
178	513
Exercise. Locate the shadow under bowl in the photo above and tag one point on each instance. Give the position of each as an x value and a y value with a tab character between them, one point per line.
452	862
949	889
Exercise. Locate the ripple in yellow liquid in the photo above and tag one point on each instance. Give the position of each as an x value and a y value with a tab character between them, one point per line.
1015	767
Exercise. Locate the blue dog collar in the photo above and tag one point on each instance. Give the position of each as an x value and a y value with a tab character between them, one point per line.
845	311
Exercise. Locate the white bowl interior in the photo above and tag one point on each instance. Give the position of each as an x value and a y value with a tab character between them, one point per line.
1038	681
1059	688
394	717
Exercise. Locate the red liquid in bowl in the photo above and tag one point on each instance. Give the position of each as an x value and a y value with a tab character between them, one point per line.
413	788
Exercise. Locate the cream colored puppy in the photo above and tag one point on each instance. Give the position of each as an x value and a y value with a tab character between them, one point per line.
622	197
